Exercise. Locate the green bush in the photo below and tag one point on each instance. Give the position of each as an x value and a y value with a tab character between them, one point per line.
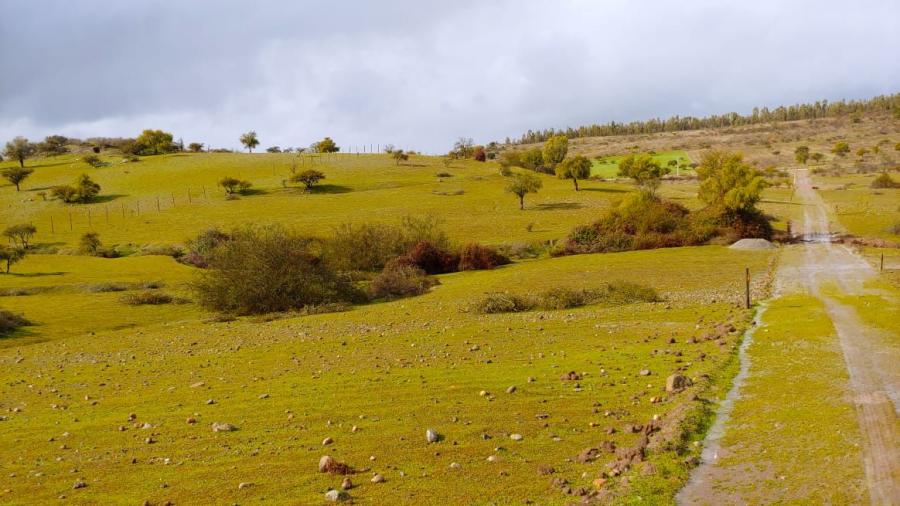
149	297
501	302
10	322
398	280
269	269
613	293
884	181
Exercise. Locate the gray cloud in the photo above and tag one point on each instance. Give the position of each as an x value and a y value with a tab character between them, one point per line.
420	74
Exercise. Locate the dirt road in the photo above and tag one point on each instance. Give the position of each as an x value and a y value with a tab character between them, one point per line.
835	275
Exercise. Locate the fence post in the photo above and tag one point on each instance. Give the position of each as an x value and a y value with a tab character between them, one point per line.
52	230
70	221
882	262
90	223
747	286
173	199
189	196
157	203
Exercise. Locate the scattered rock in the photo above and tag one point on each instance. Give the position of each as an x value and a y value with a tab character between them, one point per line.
677	383
336	496
223	427
599	483
347	484
645	372
243	485
79	484
377	478
328	465
455	465
511	389
571	376
327	441
432	436
516	437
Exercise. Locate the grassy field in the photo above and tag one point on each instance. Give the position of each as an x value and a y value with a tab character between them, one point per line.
357	188
608	167
861	210
67	402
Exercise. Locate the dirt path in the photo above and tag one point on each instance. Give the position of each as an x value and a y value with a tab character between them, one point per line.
832	273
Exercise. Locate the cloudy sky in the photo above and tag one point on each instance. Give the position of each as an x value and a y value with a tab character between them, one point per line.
421	73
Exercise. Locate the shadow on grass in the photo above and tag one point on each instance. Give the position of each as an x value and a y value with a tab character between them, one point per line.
32	274
103	199
606	190
330	188
556	206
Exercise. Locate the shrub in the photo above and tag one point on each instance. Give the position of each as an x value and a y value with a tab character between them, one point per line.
444	174
233	185
147	298
107	287
431	259
84	190
269	269
884	180
399	280
90	244
614	293
200	248
92	160
501	302
308	177
369	247
10	322
477	257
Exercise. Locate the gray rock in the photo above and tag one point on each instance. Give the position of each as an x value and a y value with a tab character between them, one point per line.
336	496
432	436
677	383
223	427
516	437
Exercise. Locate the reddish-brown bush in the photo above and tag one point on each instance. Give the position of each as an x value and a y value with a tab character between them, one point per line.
475	257
431	259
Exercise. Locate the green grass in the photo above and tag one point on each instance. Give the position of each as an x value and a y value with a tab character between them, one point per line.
608	166
863	211
795	417
392	369
69	382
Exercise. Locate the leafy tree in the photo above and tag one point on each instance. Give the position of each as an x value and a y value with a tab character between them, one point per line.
84	190
309	178
523	184
575	168
19	149
462	148
817	157
555	150
10	255
273	149
234	185
92	160
533	159
861	152
53	145
644	170
801	154
20	234
841	148
326	145
399	156
152	142
16	175
90	244
250	140
480	154
729	183
195	147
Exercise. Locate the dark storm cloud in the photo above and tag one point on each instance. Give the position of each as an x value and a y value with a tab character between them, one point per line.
419	74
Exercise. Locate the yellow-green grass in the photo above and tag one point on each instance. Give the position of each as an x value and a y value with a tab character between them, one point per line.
391	369
608	166
472	202
63	302
795	416
863	211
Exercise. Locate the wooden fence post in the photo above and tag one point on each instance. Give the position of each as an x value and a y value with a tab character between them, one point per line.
747	286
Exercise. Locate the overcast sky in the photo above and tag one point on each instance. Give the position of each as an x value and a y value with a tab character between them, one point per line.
420	73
